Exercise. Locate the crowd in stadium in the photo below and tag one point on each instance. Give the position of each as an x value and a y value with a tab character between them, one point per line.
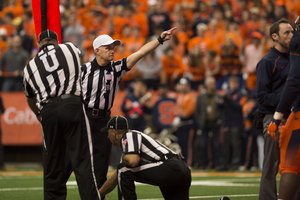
213	52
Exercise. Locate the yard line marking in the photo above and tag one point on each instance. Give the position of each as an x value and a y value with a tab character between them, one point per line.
225	183
215	196
193	197
31	188
18	177
222	174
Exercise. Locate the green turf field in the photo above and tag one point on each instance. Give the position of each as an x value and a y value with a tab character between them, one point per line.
237	186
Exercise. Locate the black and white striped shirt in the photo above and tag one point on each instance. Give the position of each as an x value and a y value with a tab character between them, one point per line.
100	83
149	150
53	72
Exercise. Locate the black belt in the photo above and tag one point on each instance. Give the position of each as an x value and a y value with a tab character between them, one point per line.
65	96
173	156
98	112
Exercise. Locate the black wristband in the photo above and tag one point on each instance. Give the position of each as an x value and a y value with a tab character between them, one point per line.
37	115
160	40
276	121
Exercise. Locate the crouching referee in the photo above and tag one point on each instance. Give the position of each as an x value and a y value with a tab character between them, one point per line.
145	160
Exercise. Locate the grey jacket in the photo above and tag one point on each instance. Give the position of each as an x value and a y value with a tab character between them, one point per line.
200	113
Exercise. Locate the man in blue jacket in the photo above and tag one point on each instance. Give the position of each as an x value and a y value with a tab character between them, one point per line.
289	141
272	72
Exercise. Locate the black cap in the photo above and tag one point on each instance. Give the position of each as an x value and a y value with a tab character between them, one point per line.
117	122
47	34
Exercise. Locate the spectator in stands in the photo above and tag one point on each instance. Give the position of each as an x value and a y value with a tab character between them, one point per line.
163	109
250	25
11	65
264	25
216	34
249	136
201	14
184	120
135	19
238	10
230	62
159	17
98	22
219	17
117	2
269	12
182	36
110	30
280	12
28	24
205	43
3	44
74	32
126	34
173	67
150	68
136	105
232	122
212	63
87	44
8	19
252	55
15	7
208	113
135	41
27	40
195	69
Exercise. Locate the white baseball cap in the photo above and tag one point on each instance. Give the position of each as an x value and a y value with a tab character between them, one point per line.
102	40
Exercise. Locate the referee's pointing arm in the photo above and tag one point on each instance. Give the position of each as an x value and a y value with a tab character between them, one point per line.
150	46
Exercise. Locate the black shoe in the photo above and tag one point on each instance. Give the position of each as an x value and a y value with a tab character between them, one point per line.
224	198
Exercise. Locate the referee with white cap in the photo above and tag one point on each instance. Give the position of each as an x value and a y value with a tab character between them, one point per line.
52	85
147	161
100	80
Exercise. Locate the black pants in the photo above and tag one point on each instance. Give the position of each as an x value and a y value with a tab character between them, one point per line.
214	128
101	146
231	147
172	176
67	139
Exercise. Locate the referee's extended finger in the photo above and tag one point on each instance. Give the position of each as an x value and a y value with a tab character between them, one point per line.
172	29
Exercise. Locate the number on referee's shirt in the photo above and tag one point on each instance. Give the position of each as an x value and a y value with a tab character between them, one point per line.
44	59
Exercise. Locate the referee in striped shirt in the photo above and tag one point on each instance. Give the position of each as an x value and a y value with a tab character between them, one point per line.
100	80
52	85
145	160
